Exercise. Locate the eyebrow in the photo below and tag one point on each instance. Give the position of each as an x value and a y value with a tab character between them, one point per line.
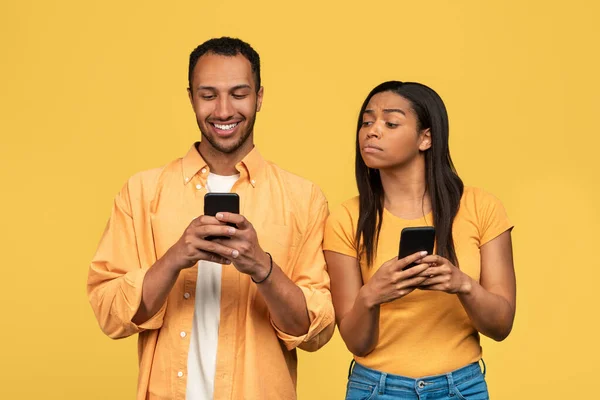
236	87
388	110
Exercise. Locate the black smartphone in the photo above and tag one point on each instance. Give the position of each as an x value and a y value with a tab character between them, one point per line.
221	202
415	239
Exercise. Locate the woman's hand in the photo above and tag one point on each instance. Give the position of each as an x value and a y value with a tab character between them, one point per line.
443	276
391	282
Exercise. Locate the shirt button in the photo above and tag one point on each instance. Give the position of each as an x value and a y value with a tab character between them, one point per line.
186	295
198	186
203	170
187	179
180	374
253	182
182	334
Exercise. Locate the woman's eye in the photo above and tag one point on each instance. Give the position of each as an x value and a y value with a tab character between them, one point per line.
391	125
366	123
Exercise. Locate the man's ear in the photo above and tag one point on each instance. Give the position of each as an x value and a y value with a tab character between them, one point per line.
259	98
190	96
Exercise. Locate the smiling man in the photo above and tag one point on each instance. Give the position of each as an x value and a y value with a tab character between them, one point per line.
216	318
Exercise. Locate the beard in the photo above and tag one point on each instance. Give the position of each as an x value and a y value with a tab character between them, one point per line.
214	142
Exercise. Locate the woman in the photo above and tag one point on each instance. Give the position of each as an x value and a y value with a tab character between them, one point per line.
414	332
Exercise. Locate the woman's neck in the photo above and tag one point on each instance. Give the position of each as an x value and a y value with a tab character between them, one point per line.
405	190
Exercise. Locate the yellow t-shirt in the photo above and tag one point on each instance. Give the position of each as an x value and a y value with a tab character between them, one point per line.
426	332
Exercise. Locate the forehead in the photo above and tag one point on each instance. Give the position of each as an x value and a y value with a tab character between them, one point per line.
389	100
222	72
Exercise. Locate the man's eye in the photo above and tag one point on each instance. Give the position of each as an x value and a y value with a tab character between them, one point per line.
208	97
240	96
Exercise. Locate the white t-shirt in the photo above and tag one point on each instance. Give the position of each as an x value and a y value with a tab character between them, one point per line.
202	355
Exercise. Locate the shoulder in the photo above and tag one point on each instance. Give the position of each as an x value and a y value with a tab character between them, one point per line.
142	186
350	207
476	198
304	193
346	214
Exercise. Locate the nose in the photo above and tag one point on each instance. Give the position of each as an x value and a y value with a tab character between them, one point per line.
224	109
374	131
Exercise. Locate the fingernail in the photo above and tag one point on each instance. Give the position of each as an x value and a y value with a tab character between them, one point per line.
219	215
227	262
235	253
423	253
231	231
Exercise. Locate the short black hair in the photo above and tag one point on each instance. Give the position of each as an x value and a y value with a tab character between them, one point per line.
230	47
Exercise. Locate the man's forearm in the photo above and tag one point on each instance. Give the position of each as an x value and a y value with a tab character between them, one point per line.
286	303
158	282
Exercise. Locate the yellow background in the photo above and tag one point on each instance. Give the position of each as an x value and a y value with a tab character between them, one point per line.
93	92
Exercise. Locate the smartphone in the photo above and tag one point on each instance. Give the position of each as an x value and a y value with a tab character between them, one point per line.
415	239
221	202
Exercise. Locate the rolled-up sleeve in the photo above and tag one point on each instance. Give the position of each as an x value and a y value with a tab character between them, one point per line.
310	274
116	275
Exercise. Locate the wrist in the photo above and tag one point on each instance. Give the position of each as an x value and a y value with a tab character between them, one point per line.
262	268
466	286
366	299
169	261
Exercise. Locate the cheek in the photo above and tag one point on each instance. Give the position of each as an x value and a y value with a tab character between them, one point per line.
403	141
362	135
202	111
246	108
399	147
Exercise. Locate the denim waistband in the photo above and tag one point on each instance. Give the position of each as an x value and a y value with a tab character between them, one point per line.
370	376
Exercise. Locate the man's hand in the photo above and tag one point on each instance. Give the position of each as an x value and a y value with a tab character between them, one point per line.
192	246
242	247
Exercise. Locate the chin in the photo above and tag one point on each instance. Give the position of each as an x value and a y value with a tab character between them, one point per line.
374	164
226	145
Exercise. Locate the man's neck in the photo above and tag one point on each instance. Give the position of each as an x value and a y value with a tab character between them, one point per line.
223	163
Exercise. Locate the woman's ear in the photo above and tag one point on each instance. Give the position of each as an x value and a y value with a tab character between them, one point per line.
425	139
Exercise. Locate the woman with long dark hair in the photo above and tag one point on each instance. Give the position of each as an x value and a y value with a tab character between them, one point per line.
414	332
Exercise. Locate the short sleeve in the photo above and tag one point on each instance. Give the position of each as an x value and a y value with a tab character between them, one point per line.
339	232
493	219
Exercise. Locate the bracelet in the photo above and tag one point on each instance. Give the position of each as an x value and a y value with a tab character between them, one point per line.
270	270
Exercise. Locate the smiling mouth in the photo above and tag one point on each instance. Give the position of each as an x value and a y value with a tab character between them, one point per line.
224	129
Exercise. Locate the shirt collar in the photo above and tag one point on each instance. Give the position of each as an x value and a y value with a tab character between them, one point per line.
250	167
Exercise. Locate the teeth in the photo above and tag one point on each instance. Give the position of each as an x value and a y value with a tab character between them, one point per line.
226	127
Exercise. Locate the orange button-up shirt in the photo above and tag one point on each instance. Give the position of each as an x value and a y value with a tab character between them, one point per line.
255	360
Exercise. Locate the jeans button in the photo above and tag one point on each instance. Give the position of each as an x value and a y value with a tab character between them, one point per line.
421	384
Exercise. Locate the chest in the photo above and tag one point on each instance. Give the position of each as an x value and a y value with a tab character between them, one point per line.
466	241
173	209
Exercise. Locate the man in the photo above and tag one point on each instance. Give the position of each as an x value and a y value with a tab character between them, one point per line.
216	318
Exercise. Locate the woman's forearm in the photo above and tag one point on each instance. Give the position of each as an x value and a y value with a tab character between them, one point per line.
491	313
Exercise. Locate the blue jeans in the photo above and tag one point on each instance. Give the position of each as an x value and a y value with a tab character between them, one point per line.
467	383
